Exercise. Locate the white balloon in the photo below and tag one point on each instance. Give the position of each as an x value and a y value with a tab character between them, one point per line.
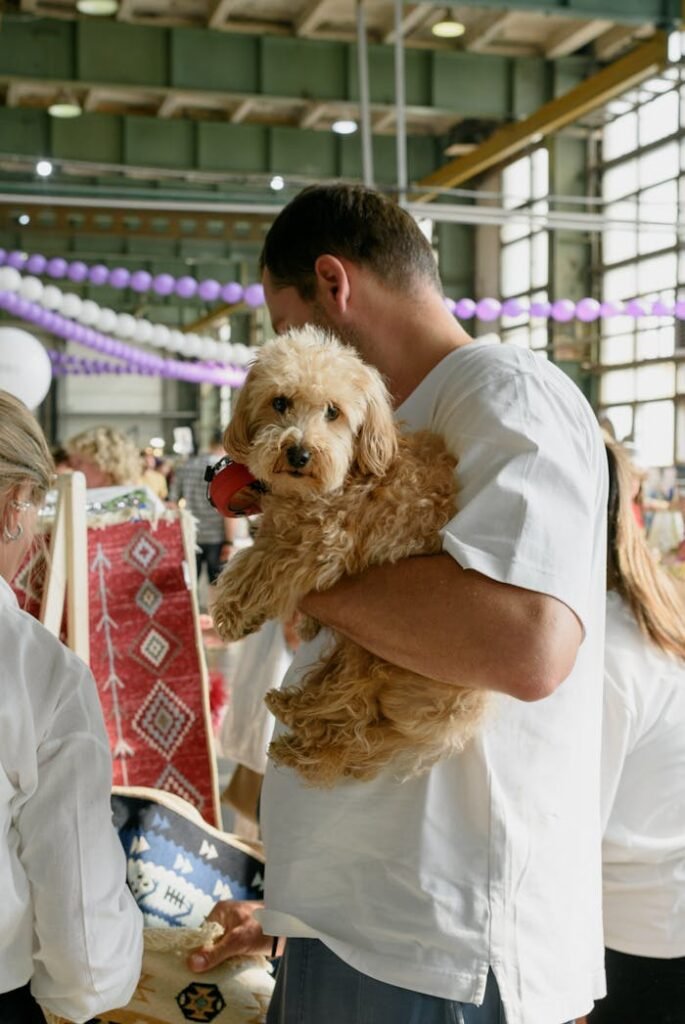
10	279
25	368
126	325
90	311
71	305
176	341
160	336
143	331
51	297
224	351
31	288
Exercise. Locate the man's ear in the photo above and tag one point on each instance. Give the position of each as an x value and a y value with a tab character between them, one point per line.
333	283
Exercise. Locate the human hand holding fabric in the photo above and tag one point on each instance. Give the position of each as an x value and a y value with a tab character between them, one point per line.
243	935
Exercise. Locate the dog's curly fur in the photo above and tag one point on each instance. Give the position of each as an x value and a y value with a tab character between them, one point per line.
366	495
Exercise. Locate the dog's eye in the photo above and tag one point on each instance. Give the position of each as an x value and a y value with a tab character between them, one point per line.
332	412
280	403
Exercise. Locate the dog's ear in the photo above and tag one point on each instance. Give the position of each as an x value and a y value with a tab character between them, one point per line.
377	440
238	436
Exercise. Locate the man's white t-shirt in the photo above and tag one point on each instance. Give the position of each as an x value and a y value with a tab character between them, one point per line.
643	792
491	859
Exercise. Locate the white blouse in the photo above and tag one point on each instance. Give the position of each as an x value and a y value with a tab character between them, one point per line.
67	920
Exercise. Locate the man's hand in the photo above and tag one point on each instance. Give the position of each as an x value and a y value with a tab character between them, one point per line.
242	935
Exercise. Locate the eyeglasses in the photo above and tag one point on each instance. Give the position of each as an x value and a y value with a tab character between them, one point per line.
21	506
232	490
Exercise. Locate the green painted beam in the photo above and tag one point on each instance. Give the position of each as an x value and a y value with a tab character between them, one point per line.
664	13
89	53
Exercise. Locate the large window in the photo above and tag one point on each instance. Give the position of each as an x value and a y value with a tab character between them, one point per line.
524	267
642	185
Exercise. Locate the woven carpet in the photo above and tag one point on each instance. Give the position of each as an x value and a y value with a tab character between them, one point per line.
146	658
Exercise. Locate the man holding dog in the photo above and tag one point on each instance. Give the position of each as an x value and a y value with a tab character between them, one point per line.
470	893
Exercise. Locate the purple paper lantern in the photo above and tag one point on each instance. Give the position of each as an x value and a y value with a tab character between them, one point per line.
541	309
77	271
98	274
36	264
450	305
209	290
637	308
254	295
587	309
513	307
163	284
661	308
16	259
56	267
563	310
680	309
231	293
465	309
140	281
488	309
119	277
186	287
610	309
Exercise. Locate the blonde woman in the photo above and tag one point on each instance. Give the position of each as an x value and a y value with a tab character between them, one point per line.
643	766
70	932
105	456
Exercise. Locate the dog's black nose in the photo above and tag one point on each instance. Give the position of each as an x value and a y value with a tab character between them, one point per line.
298	456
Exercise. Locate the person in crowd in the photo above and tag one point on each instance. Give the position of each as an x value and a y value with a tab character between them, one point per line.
151	475
214	533
105	456
471	892
70	931
60	458
643	773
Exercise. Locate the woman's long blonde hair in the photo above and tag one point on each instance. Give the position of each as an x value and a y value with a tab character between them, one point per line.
655	598
110	450
24	454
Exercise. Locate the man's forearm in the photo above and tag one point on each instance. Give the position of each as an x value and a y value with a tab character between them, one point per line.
433	617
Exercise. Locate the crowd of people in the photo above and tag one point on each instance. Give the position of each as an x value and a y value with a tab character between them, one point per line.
538	876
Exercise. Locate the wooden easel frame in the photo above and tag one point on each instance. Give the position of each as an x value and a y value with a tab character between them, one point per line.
67	571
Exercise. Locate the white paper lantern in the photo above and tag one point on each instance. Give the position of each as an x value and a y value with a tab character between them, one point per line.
160	336
193	345
209	348
106	321
176	341
71	305
10	279
90	311
25	368
143	331
224	351
241	354
126	325
31	288
51	297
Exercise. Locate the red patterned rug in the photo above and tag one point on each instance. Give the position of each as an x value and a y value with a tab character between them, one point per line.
145	658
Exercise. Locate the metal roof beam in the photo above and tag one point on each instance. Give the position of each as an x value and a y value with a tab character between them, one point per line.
485	30
410	21
645	61
573	37
310	18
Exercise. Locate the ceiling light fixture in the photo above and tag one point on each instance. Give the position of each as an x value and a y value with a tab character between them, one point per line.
448	28
65	105
44	168
23	219
344	127
98	8
277	183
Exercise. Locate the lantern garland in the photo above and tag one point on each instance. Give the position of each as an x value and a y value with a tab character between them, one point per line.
487	309
145	362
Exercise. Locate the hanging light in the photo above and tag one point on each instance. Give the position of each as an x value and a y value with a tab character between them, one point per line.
277	183
344	127
65	105
98	8
448	28
44	168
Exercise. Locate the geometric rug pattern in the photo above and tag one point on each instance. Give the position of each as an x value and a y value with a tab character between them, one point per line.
145	660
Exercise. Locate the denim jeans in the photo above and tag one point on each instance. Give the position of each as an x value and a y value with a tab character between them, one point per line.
313	986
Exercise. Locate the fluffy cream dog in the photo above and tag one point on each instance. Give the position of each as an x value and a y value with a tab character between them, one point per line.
345	490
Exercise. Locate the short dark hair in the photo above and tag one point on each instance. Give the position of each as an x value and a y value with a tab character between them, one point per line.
351	221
